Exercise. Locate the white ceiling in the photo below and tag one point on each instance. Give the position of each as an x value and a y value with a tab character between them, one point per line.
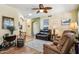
25	9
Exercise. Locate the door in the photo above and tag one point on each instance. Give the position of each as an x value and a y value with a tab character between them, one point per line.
36	28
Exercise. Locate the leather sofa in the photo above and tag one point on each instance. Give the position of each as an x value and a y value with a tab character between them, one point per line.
8	42
60	46
44	35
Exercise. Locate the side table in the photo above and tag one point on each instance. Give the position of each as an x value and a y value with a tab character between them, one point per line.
77	47
20	42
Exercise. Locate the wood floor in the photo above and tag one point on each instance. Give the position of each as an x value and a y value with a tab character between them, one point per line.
23	50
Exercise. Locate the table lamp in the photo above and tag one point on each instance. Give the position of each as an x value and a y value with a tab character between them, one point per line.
73	26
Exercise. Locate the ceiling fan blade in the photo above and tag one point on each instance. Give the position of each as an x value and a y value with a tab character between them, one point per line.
41	6
35	8
45	11
48	7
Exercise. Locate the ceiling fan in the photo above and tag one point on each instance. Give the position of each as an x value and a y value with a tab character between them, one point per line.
41	8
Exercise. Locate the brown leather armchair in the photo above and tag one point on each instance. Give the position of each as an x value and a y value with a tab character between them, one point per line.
60	46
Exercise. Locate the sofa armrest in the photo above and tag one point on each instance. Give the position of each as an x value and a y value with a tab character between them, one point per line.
56	42
49	49
57	39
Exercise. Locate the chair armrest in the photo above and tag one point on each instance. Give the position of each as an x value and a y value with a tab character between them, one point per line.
55	42
57	39
52	48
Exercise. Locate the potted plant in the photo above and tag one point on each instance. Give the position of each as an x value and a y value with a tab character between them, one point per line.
11	29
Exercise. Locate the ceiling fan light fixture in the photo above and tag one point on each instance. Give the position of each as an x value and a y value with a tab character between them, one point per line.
41	10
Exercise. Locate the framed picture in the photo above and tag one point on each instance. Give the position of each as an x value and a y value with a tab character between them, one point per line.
7	21
65	21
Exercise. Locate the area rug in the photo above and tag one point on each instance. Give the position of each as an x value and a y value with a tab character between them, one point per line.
37	44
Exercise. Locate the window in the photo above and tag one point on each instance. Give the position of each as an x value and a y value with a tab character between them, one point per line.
45	23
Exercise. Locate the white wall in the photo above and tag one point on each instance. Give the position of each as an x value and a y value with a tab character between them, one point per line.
29	27
9	12
55	21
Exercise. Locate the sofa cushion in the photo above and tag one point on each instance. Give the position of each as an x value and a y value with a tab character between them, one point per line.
59	47
52	47
55	43
63	41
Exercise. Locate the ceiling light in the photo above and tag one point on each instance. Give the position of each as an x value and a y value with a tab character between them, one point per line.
41	10
30	14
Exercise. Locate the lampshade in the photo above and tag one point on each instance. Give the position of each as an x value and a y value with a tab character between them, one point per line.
73	25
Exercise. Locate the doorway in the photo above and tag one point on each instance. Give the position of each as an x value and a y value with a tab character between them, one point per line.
35	26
